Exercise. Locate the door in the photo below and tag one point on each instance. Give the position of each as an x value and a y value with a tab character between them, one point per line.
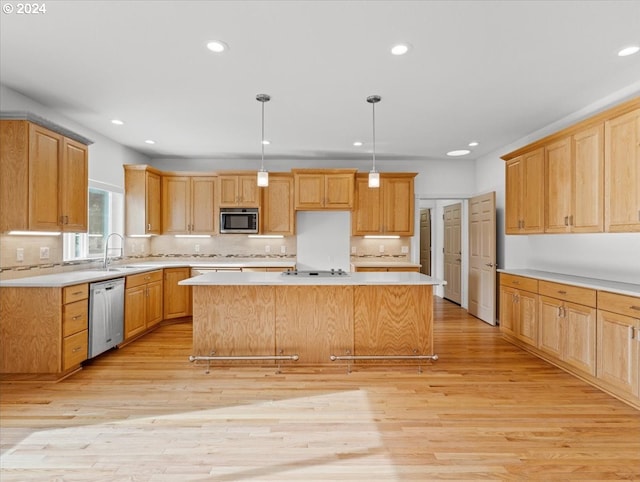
425	241
453	252
482	257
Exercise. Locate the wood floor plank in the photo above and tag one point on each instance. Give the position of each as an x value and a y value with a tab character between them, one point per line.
486	410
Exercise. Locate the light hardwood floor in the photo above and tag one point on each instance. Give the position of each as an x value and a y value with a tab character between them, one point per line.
485	411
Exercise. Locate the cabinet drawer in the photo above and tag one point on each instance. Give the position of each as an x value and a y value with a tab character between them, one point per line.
75	317
621	304
74	349
143	278
75	293
520	282
574	294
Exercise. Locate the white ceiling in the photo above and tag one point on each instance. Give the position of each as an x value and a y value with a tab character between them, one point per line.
486	71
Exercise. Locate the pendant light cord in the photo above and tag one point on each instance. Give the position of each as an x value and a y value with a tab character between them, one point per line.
373	105
262	142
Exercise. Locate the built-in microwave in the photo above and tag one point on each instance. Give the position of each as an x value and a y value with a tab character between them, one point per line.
239	220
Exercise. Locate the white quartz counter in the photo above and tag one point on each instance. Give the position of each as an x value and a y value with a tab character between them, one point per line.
118	271
385	264
278	279
630	289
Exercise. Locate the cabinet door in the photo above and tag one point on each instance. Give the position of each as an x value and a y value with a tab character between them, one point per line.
176	205
588	181
622	173
618	348
228	191
550	326
559	186
367	216
177	298
152	209
580	337
527	317
135	301
309	191
339	191
153	307
45	148
249	195
74	189
508	316
513	195
202	205
533	192
278	216
397	206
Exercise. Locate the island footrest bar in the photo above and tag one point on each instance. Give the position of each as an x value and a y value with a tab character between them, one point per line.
349	358
213	357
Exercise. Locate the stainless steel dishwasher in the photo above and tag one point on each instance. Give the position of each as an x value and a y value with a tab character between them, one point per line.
106	315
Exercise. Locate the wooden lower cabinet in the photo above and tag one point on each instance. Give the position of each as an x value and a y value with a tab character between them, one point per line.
592	334
43	331
142	303
619	342
177	298
568	332
519	314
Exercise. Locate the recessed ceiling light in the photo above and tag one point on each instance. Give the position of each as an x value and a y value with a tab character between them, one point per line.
217	46
473	144
400	49
461	152
357	143
632	49
117	122
149	141
266	142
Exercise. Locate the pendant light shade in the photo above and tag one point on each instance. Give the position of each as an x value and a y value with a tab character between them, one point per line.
374	176
263	175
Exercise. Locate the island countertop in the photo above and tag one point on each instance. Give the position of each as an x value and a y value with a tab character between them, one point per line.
278	279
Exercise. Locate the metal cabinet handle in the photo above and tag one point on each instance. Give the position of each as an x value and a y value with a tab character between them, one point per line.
562	292
76	349
490	265
77	317
634	307
149	227
566	220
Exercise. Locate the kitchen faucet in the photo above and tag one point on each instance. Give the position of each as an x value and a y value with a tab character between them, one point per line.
106	260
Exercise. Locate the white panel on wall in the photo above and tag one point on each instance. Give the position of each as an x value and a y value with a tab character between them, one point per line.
323	239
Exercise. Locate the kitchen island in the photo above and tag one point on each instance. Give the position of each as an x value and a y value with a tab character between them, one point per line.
365	315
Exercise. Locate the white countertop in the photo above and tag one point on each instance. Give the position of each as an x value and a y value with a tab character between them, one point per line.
385	264
630	289
278	279
92	275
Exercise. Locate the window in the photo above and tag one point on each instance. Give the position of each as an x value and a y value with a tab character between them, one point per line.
106	211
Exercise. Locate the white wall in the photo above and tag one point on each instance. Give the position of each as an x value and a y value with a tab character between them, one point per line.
608	256
106	156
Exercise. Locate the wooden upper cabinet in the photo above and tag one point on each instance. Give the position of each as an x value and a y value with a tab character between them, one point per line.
45	154
188	204
388	209
239	190
574	183
588	180
317	189
44	178
525	193
278	215
559	186
622	173
74	186
142	193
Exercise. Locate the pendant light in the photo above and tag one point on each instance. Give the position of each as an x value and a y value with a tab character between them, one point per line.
374	176
263	175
